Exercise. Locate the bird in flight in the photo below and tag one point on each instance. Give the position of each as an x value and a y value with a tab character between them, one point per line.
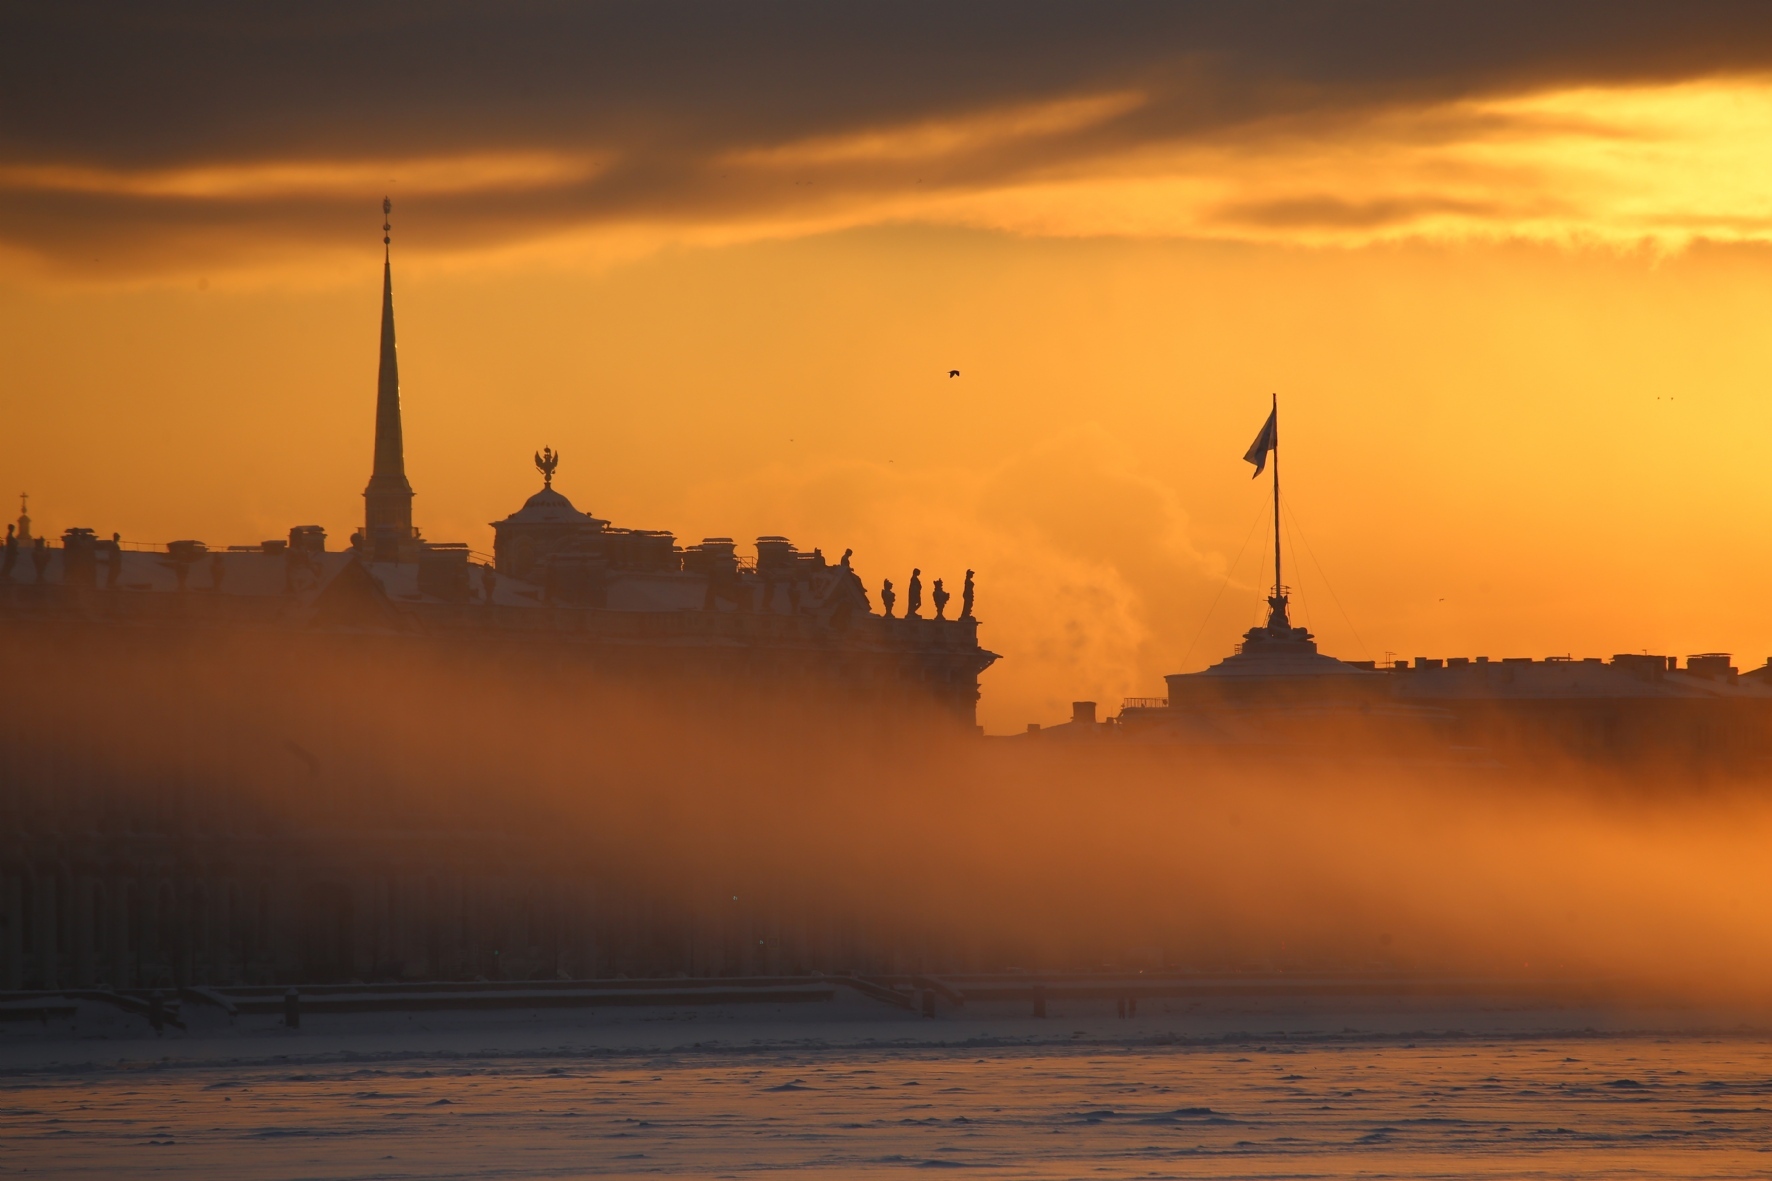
953	373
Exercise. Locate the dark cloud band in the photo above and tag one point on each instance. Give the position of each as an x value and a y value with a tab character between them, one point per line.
669	91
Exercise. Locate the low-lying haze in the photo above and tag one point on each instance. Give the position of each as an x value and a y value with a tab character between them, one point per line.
923	841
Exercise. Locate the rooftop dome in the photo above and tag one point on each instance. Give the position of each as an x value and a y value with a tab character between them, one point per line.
548	507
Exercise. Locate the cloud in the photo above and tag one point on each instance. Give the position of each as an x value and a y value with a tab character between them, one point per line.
507	172
1335	213
136	140
935	140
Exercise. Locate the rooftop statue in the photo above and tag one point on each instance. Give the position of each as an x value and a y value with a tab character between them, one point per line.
966	597
113	551
546	460
914	600
940	597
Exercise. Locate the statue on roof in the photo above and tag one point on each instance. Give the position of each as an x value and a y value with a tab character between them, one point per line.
914	595
887	597
546	460
966	597
940	598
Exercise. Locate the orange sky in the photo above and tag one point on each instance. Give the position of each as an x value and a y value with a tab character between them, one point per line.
1517	340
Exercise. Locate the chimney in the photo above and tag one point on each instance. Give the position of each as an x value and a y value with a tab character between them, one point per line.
1083	712
308	539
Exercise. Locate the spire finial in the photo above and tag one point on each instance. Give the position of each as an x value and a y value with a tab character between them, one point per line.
546	460
387	222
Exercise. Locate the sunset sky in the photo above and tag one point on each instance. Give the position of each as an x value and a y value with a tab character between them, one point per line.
1508	267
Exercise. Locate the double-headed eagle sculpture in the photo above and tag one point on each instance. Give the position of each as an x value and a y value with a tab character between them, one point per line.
546	460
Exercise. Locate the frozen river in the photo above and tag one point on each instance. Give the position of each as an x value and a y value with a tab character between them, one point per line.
1072	1103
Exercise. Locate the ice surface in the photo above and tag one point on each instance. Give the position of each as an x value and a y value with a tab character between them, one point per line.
712	1094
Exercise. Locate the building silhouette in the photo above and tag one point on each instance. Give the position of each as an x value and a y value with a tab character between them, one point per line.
1276	695
121	871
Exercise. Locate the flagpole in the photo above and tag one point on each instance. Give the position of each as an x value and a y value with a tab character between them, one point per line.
1276	496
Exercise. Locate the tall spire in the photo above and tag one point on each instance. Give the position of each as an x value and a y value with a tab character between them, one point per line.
388	498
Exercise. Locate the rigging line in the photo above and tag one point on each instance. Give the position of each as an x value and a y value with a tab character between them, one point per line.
1292	535
1364	650
1257	612
1228	572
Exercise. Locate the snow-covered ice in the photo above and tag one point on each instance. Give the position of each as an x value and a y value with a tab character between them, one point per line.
857	1091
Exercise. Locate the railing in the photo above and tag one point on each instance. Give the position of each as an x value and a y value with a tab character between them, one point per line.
1144	703
159	547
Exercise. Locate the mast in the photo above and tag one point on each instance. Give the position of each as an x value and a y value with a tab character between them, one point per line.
1277	583
1277	622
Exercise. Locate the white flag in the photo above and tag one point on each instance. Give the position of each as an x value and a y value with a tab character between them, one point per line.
1266	441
